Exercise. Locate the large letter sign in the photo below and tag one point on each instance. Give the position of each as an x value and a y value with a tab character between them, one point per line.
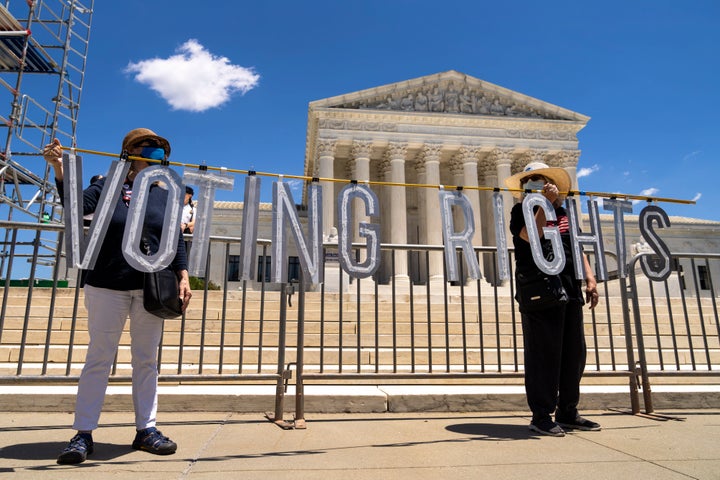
557	263
207	183
619	208
310	255
661	270
82	252
248	240
138	259
369	231
460	239
503	269
594	239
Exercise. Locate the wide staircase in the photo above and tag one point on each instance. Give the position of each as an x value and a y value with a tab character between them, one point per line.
242	334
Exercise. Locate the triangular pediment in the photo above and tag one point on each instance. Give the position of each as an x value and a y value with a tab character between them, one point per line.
450	92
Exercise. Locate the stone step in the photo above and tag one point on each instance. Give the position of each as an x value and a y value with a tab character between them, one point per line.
351	355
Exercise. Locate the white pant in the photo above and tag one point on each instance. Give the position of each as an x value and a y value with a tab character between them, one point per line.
107	312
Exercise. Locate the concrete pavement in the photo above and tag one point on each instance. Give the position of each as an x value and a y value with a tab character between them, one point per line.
679	444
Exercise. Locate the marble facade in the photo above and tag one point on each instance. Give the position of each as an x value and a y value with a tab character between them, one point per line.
445	129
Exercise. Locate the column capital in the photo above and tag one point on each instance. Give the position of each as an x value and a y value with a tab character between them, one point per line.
487	166
567	158
467	154
326	147
361	148
396	151
532	155
431	151
501	155
456	166
420	164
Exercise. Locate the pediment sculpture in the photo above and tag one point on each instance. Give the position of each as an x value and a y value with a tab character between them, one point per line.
448	97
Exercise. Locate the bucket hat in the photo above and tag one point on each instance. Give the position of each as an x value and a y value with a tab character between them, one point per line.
141	134
556	175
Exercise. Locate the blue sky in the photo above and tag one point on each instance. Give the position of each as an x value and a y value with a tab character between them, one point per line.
229	82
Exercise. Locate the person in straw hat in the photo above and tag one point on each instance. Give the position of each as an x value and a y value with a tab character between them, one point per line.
114	291
554	340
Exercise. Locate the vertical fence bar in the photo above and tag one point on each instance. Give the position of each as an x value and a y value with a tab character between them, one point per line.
428	304
243	310
223	317
700	314
280	386
261	320
672	321
300	355
647	396
688	331
481	340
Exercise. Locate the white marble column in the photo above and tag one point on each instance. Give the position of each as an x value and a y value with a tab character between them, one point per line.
467	156
395	155
360	166
458	172
503	166
430	158
326	159
497	166
568	159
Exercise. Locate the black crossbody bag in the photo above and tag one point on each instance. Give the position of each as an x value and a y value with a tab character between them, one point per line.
161	292
536	291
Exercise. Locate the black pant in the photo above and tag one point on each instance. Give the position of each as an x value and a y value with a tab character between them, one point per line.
555	355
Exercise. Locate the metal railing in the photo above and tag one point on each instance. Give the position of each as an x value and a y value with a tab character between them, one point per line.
678	335
399	330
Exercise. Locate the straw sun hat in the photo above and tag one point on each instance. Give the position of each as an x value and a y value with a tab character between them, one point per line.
555	175
141	134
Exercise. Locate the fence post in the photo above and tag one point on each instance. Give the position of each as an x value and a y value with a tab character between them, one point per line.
300	345
634	400
647	392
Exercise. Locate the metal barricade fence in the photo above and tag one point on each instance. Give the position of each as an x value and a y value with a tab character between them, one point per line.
463	332
676	321
225	335
391	328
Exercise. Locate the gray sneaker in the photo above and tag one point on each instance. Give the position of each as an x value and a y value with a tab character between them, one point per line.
579	423
547	427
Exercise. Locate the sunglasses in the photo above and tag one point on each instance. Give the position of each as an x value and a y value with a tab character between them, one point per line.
146	143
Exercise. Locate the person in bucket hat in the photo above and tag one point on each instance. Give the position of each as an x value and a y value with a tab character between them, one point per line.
555	176
113	292
553	335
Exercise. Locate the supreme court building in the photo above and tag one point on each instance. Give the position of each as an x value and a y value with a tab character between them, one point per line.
447	129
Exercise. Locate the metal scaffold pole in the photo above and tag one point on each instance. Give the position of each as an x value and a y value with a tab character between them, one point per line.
43	55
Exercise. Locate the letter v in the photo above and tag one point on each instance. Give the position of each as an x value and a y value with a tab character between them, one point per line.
83	254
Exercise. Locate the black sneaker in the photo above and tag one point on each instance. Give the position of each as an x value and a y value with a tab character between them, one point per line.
547	427
81	445
152	440
579	423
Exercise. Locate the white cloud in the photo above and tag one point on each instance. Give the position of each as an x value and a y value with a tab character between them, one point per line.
296	186
648	192
194	79
587	171
697	197
691	155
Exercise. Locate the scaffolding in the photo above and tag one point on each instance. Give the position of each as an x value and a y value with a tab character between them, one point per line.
43	55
